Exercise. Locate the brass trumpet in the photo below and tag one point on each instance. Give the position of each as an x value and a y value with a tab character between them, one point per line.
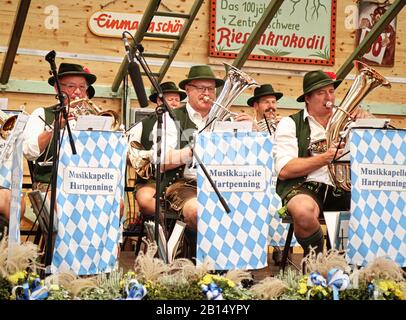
81	107
267	124
7	124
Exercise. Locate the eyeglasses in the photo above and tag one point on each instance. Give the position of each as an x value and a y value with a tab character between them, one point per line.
203	89
72	87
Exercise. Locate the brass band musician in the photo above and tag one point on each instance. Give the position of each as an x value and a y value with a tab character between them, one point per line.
179	185
76	82
304	183
264	102
140	149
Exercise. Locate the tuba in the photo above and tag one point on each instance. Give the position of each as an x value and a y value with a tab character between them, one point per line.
7	124
367	80
236	82
82	107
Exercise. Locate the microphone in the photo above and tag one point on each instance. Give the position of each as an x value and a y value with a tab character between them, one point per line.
127	49
135	76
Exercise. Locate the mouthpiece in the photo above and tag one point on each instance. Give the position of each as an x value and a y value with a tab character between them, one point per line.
206	98
329	105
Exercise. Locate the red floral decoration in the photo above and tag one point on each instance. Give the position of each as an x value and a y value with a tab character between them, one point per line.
86	69
332	75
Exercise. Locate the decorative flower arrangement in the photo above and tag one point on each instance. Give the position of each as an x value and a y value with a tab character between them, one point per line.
327	277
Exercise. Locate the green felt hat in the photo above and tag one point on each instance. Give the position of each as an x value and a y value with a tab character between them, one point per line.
71	69
167	87
264	90
203	72
314	80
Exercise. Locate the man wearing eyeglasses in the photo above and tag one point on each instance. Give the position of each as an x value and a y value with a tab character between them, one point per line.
179	182
76	83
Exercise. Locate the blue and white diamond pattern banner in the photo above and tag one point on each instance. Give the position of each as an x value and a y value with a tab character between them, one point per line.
240	164
377	226
278	231
89	190
11	172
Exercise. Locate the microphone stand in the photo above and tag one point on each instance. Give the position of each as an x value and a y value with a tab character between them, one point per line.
58	108
160	110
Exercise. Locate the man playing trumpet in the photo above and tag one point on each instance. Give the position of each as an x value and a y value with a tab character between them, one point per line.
265	106
76	83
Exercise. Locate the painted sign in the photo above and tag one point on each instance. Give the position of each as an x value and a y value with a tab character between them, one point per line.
382	51
113	24
298	33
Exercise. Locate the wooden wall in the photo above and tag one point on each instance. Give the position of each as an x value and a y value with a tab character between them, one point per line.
103	55
74	37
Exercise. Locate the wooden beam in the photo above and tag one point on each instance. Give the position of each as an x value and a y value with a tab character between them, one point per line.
14	40
370	38
139	35
256	34
182	35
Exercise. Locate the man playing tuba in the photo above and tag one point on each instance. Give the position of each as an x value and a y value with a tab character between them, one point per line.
304	183
179	183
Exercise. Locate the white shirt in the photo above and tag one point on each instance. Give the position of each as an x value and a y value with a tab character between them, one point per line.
135	133
286	146
34	127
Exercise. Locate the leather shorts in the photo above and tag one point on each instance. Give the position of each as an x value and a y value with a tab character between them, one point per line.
178	193
326	196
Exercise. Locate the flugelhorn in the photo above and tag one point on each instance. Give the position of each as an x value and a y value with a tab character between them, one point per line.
81	107
268	124
7	124
367	80
236	82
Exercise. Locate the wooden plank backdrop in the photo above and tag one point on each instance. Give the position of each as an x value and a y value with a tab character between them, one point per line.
103	55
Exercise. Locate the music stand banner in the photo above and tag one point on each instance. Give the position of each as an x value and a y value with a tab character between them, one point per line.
241	166
89	189
377	226
278	231
11	173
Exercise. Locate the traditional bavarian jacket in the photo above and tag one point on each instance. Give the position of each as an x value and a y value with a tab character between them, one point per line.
292	138
188	127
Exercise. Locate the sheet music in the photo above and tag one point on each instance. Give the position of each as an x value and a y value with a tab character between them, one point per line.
92	122
363	123
231	126
370	123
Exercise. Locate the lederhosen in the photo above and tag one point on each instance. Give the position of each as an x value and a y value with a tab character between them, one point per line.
175	188
326	196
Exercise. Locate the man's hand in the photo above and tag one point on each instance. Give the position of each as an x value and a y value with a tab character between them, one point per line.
243	117
334	152
360	113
